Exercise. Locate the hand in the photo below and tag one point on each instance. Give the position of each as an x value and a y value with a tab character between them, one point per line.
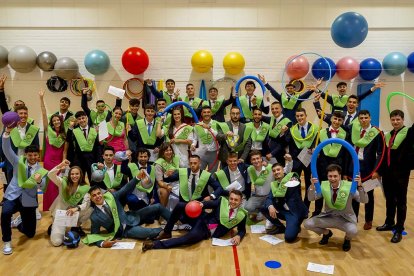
207	198
3	79
284	128
264	163
72	124
357	179
377	85
128	127
177	93
85	90
254	100
65	163
235	240
192	148
314	181
169	188
108	244
272	211
111	190
318	82
317	97
100	166
152	201
375	175
240	161
288	157
41	93
37	177
268	156
169	172
149	82
156	150
230	134
71	211
128	153
262	78
172	141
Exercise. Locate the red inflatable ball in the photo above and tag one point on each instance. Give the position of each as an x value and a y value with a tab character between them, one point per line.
347	68
135	60
193	209
297	68
10	119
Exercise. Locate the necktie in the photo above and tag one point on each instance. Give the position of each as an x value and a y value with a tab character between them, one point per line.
362	135
302	132
250	103
389	148
274	123
336	131
348	120
29	171
231	211
107	210
193	183
335	194
61	118
149	128
84	132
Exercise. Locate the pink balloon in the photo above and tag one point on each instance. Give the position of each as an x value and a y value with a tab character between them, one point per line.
347	68
297	68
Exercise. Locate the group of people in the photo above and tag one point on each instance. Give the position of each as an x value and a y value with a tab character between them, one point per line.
247	168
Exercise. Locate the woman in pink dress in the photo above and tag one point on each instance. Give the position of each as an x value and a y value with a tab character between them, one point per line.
54	141
117	135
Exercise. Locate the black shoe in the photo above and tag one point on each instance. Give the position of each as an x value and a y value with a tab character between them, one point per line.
147	245
275	230
347	245
325	238
79	231
397	237
314	214
49	230
385	227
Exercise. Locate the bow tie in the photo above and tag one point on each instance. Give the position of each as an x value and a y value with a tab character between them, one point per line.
191	99
334	131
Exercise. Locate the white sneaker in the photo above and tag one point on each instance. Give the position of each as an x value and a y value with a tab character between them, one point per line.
7	248
184	227
38	214
260	216
269	225
16	222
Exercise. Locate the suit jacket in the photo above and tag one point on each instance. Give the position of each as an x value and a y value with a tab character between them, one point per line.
219	115
76	152
277	145
87	110
327	116
292	199
362	96
247	184
135	137
225	149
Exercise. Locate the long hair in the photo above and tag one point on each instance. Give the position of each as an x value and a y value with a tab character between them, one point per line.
171	127
61	130
70	182
164	146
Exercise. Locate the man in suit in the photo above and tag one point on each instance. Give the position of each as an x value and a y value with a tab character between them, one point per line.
338	212
21	193
368	143
109	214
260	133
226	215
193	101
218	106
350	113
64	113
194	184
234	136
284	202
250	101
170	95
395	171
130	117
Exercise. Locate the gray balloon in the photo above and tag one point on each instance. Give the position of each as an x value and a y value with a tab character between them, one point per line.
46	61
66	68
22	59
3	56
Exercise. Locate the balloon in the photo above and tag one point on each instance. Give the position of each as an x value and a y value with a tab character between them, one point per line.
202	61
66	68
370	69
10	119
22	59
97	176
347	68
410	61
394	63
46	61
4	53
297	68
233	63
320	69
96	62
347	146
174	104
135	60
349	29
193	209
120	156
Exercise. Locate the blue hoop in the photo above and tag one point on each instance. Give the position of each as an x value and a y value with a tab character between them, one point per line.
284	72
174	104
237	87
351	151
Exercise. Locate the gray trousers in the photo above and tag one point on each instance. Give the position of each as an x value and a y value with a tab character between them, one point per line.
319	224
255	203
207	160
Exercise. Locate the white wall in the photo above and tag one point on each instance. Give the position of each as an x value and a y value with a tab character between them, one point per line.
265	32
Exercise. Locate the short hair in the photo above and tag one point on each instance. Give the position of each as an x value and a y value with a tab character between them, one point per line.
253	153
195	156
277	103
212	88
143	150
353	97
100	101
251	83
32	148
364	112
277	165
170	80
108	148
300	109
161	100
189	84
93	188
65	99
334	167
149	106
20	107
289	85
235	107
134	101
80	114
338	114
233	155
341	83
205	107
236	192
396	113
256	109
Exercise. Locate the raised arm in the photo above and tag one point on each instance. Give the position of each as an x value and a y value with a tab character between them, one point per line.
3	103
44	112
53	173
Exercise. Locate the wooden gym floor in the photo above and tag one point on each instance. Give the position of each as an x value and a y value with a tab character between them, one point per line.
372	253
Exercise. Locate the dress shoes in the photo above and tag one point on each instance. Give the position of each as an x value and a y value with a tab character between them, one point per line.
147	245
347	245
368	225
275	230
385	227
397	237
162	236
325	238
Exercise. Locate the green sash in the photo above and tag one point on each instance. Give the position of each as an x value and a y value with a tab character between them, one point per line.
399	138
167	97
339	101
308	140
222	178
259	180
86	145
22	180
259	137
77	197
332	150
342	194
134	171
130	119
275	132
167	121
224	214
288	102
98	117
196	103
215	107
202	181
143	131
92	238
205	137
54	139
118	129
117	179
245	105
278	188
183	133
247	134
31	133
30	121
364	141
174	165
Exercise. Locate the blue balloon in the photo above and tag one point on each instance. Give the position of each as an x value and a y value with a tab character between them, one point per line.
320	68
370	69
394	63
347	146
174	104
410	64
349	29
238	87
97	62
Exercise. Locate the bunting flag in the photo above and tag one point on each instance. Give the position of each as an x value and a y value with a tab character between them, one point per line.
203	91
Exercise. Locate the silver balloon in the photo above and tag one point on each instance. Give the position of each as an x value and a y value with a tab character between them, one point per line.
66	68
3	56
46	61
22	59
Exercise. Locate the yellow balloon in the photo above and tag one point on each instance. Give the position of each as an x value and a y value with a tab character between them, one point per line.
202	61
233	63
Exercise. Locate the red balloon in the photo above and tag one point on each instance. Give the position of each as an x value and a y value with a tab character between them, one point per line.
135	60
193	209
347	68
297	68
